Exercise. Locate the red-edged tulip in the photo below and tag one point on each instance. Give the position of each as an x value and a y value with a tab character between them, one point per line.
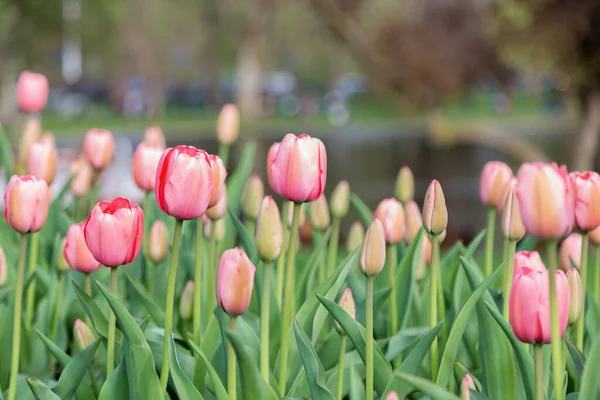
26	199
41	161
154	137
99	147
529	306
546	200
219	175
435	213
391	213
145	163
356	234
32	92
219	210
528	259
184	182
158	242
82	177
414	220
76	251
270	158
32	132
114	232
269	231
570	250
405	185
235	279
372	252
228	125
3	268
252	196
299	169
513	227
512	183
494	176
577	298
586	186
340	200
186	308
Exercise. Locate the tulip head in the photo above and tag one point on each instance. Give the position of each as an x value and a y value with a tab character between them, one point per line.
405	185
570	251
82	177
466	386
26	203
252	196
3	268
32	132
158	242
356	234
76	252
347	304
82	336
494	176
586	187
99	148
219	175
219	210
576	303
528	259
154	137
32	92
414	221
145	163
391	213
235	279
268	236
228	125
340	200
513	227
319	214
186	304
372	252
41	161
435	213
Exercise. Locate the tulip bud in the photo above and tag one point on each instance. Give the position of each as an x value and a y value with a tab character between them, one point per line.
61	261
405	185
586	188
219	210
595	236
347	304
145	163
76	252
391	213
218	229
186	301
26	200
228	125
219	175
154	137
512	224
356	234
466	386
291	215
82	336
435	213
269	232
3	268
372	252
505	192
414	221
252	196
392	396
31	134
570	251
82	177
41	161
340	200
158	242
234	281
319	214
494	176
528	259
99	147
270	158
576	302
32	92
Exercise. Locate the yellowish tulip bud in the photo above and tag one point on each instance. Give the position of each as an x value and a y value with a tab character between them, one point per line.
252	196
186	301
340	200
319	214
435	213
576	304
405	185
356	234
228	125
269	231
512	224
82	336
372	253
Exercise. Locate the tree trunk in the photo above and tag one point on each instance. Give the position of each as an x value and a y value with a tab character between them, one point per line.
248	74
587	143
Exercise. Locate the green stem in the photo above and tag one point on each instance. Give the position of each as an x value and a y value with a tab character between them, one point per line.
392	258
110	353
57	306
597	274
87	283
583	271
333	246
489	241
369	316
322	262
198	280
281	259
224	153
16	344
231	364
152	272
287	298
510	258
146	242
33	259
264	321
340	381
433	278
557	365
164	372
441	306
538	350
212	267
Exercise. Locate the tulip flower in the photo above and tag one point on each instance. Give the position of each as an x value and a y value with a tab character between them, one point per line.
466	386
3	268
339	202
405	185
219	175
528	259
41	161
576	290
32	92
145	163
82	177
251	198
346	302
494	176
32	132
299	169
26	203
435	214
391	213
414	221
219	210
228	125
82	336
270	158
99	148
159	242
586	186
570	251
76	252
154	137
185	302
355	237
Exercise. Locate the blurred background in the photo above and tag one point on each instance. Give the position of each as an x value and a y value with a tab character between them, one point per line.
440	85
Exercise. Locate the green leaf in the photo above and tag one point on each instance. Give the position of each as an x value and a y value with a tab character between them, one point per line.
577	357
246	239
315	374
402	340
75	371
365	212
117	386
589	382
183	385
96	315
434	391
474	245
41	391
220	391
157	314
6	154
311	265
357	389
405	278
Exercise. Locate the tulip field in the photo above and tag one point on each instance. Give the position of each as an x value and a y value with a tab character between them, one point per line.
206	291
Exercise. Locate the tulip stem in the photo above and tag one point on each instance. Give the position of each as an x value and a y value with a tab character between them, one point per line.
110	352
287	298
224	153
433	279
198	280
340	381
264	321
332	252
510	258
557	365
392	257
57	306
281	259
322	272
489	241
16	344
146	242
164	372
583	271
212	267
538	350
369	355
87	283
231	364
34	245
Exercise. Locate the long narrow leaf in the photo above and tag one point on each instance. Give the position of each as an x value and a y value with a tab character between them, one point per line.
74	372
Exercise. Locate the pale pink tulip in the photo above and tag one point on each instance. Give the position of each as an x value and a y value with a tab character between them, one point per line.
494	176
99	147
586	186
26	200
76	252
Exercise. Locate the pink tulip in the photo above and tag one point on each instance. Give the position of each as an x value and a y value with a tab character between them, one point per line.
114	232
26	199
391	213
528	259
512	183
219	174
270	158
228	125
494	176
145	163
76	251
586	186
99	147
546	200
299	169
41	161
184	182
32	92
234	281
414	220
82	177
435	213
529	305
154	137
570	250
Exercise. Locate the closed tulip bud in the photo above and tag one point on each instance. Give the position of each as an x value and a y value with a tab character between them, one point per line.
270	158
32	132
392	396
466	386
219	210
405	185
219	229
319	214
184	182
114	232
219	175
26	203
529	305
356	234
61	261
252	196
595	236
586	187
570	251
41	161
186	301
528	259
391	213
372	252
145	163
512	183
576	302
494	176
3	268
269	231
76	251
435	213
32	92
235	279
414	221
512	224
426	250
299	169
99	147
82	177
340	200
290	215
207	223
228	125
82	336
347	304
154	137
158	242
546	200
